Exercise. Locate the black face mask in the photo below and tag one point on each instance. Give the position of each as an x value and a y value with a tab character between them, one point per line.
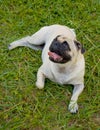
60	49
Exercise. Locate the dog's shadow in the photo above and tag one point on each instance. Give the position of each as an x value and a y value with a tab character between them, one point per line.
58	90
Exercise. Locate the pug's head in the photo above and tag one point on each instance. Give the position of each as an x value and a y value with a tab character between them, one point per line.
63	50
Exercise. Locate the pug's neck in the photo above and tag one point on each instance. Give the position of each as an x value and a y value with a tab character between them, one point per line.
71	65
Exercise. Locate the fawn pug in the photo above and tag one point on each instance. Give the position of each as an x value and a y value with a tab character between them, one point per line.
62	56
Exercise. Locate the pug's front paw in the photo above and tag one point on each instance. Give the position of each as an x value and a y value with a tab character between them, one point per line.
40	85
73	107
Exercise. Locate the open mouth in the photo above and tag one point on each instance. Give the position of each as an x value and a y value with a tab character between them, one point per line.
55	57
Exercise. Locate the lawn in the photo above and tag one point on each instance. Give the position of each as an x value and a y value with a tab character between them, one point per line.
22	105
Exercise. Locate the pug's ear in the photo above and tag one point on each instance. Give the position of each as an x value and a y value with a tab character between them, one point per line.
79	46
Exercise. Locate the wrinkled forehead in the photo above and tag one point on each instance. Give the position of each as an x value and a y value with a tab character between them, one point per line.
61	39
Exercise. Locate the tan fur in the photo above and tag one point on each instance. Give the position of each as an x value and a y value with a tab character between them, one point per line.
71	72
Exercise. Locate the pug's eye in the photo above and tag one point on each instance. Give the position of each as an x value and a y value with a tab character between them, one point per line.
66	46
65	43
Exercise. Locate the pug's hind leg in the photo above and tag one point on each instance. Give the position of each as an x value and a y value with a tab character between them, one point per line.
73	106
20	42
40	79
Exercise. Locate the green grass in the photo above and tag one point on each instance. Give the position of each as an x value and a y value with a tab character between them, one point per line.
22	105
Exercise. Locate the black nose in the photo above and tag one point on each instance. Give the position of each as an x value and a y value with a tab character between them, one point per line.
55	46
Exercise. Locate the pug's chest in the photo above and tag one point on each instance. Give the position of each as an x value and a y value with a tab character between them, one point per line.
61	77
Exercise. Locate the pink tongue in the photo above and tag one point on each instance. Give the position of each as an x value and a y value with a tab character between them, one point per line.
55	56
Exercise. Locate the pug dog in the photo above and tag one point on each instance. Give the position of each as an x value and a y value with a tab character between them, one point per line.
62	56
